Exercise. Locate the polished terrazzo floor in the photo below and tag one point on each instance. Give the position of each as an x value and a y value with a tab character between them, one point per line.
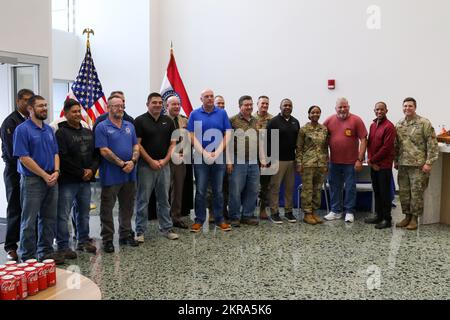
289	261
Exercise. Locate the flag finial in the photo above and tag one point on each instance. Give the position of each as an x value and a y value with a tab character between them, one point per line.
171	47
89	32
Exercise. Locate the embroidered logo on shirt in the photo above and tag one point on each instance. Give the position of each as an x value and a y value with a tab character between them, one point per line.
348	132
128	131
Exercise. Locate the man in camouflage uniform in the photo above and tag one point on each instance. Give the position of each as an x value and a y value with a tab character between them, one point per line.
243	168
416	149
262	118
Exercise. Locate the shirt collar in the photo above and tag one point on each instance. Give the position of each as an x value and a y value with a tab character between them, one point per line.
214	110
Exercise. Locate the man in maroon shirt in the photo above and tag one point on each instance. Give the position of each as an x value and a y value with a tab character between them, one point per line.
381	154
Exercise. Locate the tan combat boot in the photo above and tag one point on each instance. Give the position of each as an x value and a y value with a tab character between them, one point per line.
317	218
412	224
404	222
309	219
263	214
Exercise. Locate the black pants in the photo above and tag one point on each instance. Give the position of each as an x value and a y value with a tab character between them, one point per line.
381	183
14	209
126	194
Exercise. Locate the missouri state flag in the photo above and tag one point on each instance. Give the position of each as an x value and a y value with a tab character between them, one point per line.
173	85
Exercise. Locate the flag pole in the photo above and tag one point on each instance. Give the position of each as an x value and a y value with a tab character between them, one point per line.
89	31
171	47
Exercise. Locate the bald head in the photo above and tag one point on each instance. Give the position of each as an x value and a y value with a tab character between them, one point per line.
173	106
207	98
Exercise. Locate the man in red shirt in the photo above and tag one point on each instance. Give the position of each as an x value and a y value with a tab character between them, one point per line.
381	155
348	141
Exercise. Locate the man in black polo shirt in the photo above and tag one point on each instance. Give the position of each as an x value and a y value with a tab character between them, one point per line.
10	175
154	133
288	128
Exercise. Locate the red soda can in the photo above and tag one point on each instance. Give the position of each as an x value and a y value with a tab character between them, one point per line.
2	267
50	268
2	273
8	287
22	266
10	270
21	284
31	261
10	263
32	280
42	275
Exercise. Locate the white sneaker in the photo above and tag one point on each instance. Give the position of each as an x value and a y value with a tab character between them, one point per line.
171	235
349	217
140	238
333	216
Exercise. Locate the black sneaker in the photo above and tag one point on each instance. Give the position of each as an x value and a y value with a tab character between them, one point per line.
290	217
108	247
372	220
235	223
384	224
57	257
130	241
276	218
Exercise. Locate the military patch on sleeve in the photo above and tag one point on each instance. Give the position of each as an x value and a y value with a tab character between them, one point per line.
8	130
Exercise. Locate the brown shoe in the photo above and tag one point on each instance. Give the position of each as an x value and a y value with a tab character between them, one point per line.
224	226
309	219
263	214
196	227
317	218
12	255
250	221
404	222
412	224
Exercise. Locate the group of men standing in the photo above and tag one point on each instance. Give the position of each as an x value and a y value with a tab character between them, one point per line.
48	175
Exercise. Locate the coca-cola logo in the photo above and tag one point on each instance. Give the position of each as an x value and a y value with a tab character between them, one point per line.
42	273
32	276
50	269
8	286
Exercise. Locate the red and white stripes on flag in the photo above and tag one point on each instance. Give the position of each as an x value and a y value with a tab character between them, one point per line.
173	85
87	90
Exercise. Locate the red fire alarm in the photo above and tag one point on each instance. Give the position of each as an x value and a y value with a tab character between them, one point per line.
331	84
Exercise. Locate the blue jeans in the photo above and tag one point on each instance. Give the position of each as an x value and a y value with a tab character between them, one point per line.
149	179
342	176
78	196
243	191
204	174
39	202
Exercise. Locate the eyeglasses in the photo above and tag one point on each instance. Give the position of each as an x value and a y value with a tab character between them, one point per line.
117	106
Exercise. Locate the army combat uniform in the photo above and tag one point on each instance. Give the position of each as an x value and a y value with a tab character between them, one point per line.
261	123
312	154
415	146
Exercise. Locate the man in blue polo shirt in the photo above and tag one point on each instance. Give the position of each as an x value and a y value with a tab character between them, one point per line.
119	148
207	126
35	146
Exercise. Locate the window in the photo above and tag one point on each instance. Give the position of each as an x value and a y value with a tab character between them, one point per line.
63	17
60	90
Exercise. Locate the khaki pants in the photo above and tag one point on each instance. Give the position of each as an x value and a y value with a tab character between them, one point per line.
412	182
286	176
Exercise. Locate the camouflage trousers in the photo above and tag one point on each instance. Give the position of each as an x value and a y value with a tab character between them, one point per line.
312	180
412	182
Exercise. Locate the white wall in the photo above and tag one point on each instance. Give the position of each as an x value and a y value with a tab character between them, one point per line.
120	46
68	52
289	48
25	29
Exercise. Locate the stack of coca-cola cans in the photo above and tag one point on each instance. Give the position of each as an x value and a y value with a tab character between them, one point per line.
20	280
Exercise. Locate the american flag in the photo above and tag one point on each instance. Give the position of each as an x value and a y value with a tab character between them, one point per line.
87	90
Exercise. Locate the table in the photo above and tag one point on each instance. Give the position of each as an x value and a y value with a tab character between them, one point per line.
70	286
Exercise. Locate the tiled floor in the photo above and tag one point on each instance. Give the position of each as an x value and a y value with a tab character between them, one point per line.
289	261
